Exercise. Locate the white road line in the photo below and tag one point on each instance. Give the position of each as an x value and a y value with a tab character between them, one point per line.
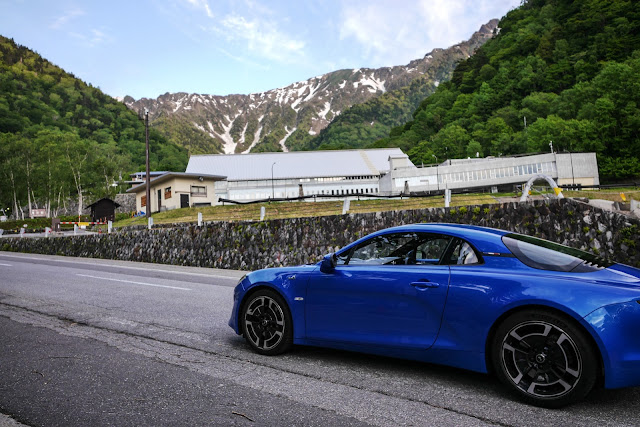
135	283
6	265
216	276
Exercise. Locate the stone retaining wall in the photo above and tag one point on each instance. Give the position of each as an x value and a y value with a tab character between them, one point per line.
254	245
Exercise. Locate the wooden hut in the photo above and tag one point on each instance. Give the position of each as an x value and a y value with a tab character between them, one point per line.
103	210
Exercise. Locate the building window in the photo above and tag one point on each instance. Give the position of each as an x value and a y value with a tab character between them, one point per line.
167	193
198	191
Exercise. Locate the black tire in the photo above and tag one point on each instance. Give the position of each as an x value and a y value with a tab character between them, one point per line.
545	358
266	323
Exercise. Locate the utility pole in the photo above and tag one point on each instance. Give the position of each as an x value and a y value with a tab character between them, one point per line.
147	175
437	175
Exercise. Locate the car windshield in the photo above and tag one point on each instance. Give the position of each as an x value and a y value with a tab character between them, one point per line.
546	255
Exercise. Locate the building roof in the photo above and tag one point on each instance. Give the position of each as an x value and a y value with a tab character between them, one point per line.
170	175
151	173
117	205
294	164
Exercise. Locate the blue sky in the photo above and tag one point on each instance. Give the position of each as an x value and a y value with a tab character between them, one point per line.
145	48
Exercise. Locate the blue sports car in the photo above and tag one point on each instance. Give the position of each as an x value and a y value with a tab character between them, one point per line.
550	321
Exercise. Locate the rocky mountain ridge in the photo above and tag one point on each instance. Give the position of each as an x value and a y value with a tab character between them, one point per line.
287	118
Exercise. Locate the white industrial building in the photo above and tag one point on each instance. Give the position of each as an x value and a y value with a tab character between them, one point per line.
576	169
257	176
386	172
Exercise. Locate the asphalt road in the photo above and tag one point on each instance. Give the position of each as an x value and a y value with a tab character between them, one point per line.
96	342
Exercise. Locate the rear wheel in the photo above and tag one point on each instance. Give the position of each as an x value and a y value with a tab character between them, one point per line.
266	323
544	358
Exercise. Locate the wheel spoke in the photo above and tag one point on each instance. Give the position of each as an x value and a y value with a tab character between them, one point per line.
572	372
514	349
251	318
561	339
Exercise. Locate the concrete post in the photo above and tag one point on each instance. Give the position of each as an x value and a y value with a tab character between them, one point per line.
345	206
150	222
263	212
75	229
199	219
447	198
109	226
21	232
47	232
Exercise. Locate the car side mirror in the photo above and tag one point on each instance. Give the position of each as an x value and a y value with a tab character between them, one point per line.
328	264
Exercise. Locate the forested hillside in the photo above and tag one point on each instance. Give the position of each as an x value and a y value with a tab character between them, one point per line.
559	70
61	138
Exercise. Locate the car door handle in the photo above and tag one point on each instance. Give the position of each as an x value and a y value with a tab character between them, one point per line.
424	285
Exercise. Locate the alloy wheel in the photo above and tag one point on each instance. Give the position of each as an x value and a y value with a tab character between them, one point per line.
541	359
264	323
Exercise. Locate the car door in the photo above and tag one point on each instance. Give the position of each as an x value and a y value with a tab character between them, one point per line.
389	290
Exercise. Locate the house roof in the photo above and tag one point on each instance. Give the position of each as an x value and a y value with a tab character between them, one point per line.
170	175
151	173
294	164
117	205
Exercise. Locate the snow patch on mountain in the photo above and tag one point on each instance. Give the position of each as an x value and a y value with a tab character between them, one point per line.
229	146
295	104
312	91
323	113
373	83
256	138
283	140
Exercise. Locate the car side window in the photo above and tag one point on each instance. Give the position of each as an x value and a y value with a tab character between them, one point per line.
397	249
432	250
463	254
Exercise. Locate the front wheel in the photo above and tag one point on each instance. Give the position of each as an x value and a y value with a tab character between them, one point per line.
544	358
266	323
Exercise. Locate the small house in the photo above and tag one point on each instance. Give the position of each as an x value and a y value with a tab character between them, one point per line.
103	210
174	190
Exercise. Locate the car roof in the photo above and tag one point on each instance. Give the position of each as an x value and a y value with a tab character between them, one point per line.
484	239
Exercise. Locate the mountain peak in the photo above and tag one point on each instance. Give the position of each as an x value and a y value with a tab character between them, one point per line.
286	118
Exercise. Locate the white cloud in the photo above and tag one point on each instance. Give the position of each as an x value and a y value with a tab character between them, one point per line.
93	38
392	32
203	5
262	38
61	21
243	60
